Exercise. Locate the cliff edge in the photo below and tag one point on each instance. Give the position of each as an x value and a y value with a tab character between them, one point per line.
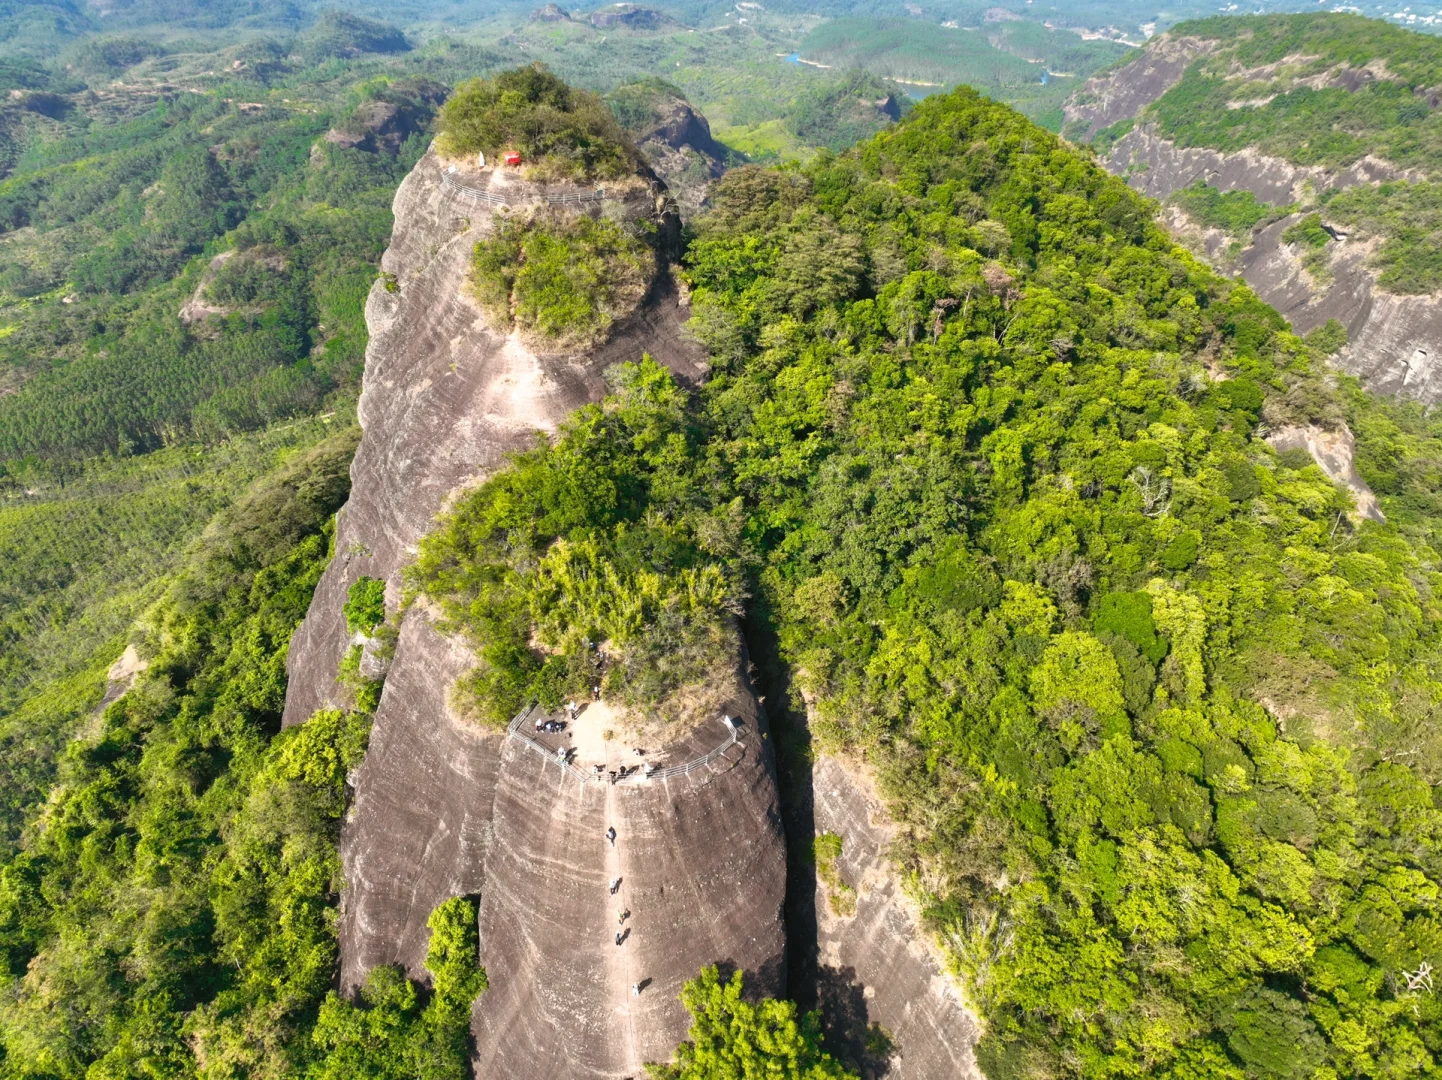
444	808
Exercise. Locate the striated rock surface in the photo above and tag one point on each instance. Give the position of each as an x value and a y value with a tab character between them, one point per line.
874	966
1394	342
1157	167
420	826
701	864
444	400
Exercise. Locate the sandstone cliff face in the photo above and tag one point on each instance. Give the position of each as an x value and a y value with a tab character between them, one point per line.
874	966
1111	98
701	867
420	826
444	399
677	142
1395	342
442	809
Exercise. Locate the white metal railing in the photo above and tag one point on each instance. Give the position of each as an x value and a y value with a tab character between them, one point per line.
516	729
493	199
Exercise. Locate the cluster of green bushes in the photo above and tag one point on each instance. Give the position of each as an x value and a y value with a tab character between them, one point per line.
560	131
392	1032
585	563
1312	237
1407	219
733	1035
1236	213
563	278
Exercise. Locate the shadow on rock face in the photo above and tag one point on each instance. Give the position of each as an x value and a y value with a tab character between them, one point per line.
792	744
765	980
851	1034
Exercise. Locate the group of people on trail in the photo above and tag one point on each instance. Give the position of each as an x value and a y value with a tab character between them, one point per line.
623	912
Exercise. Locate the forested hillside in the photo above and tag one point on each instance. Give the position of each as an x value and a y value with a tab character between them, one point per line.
181	302
1326	91
1152	703
981	473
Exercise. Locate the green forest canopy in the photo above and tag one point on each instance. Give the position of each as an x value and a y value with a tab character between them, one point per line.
1154	709
558	129
1156	713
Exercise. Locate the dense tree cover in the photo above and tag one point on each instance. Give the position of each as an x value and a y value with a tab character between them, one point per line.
643	103
1152	707
732	1038
340	33
185	860
561	131
579	549
92	527
173	913
1141	867
117	371
561	276
1012	61
78	566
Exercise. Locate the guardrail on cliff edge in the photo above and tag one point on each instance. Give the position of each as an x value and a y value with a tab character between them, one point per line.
516	729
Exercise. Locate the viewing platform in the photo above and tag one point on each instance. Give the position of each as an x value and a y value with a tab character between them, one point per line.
592	739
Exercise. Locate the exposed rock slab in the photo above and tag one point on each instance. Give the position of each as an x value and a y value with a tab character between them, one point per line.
198	308
420	825
444	400
1157	167
1394	342
702	866
874	965
1333	451
679	145
1108	99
